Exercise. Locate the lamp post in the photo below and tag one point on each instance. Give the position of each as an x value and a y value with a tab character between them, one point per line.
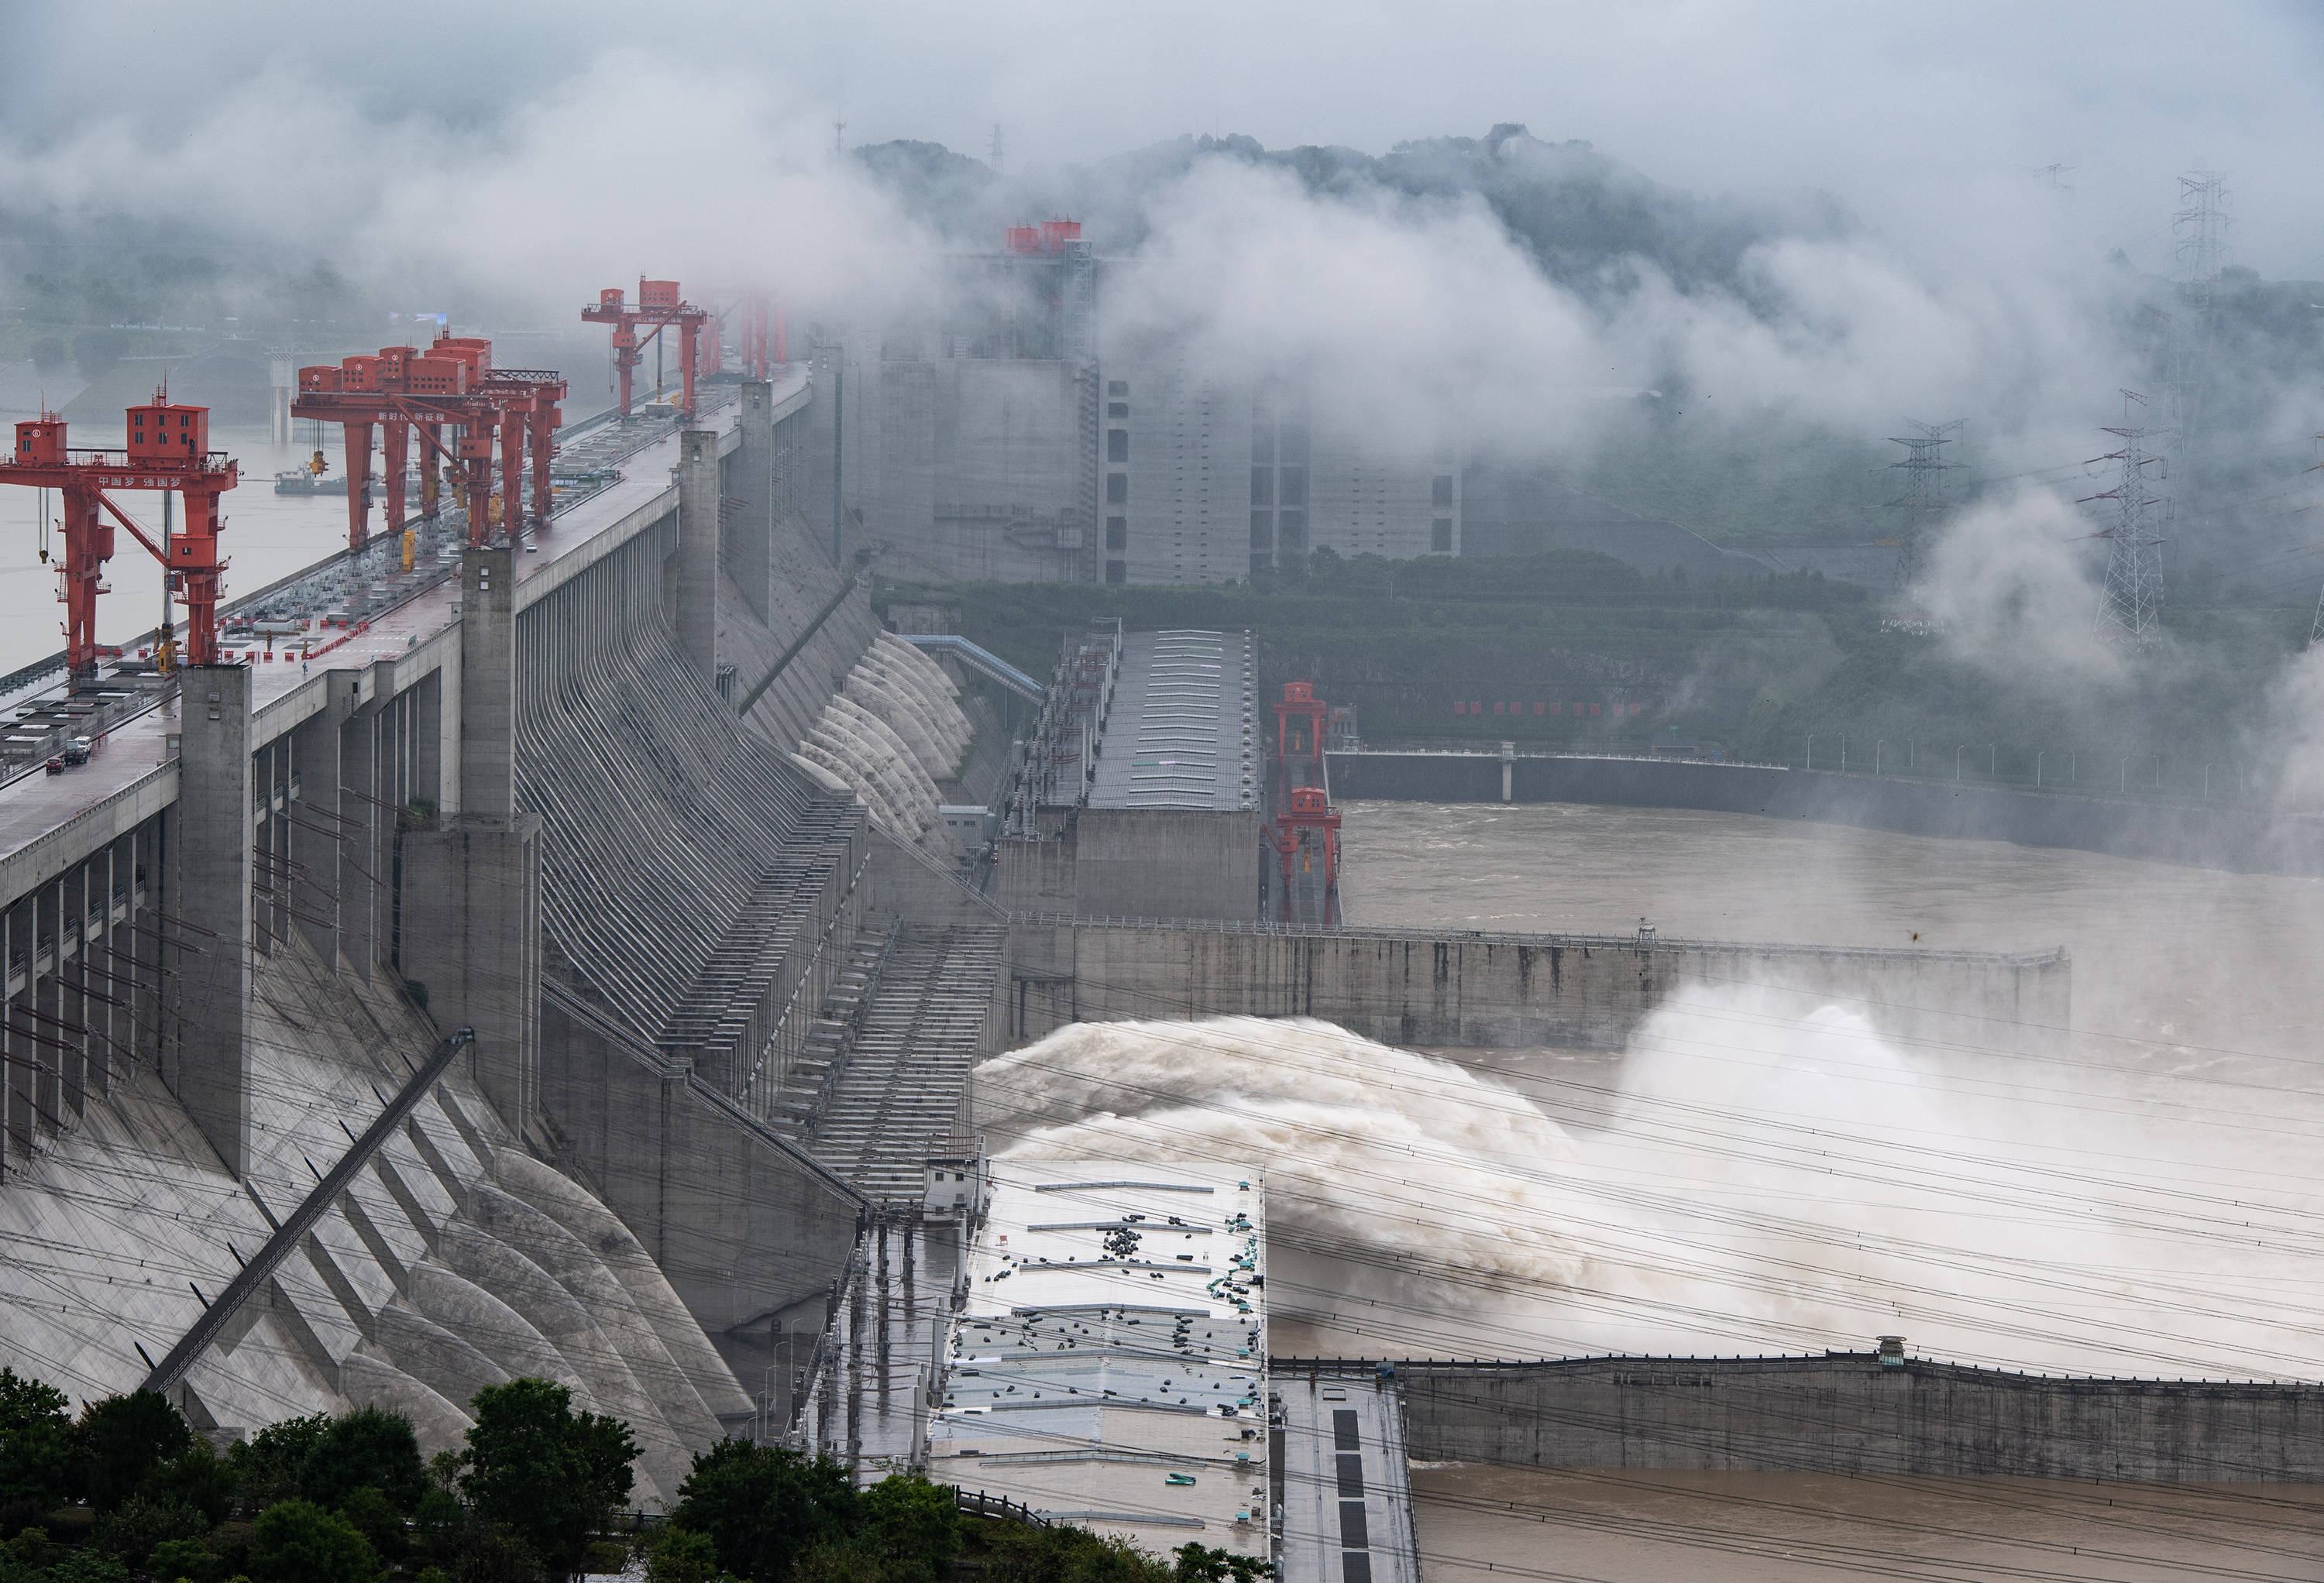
1811	752
1876	756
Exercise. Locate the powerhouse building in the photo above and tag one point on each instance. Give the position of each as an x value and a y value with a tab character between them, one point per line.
1018	441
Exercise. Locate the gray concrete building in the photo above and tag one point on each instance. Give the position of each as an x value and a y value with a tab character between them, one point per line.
1024	441
1140	795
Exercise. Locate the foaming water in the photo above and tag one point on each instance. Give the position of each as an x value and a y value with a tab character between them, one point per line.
1743	1180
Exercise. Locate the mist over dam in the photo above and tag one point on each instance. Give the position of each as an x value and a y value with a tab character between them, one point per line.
990	795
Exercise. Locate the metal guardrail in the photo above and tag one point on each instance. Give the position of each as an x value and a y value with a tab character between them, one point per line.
1638	943
290	1233
980	1504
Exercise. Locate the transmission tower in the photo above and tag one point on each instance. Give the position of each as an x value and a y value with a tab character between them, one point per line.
2130	609
2199	230
998	149
1924	499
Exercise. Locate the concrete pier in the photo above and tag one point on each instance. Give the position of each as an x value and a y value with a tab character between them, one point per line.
207	1067
748	543
471	924
694	572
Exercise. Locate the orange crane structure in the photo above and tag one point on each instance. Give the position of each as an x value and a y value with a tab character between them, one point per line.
758	330
660	305
167	448
407	394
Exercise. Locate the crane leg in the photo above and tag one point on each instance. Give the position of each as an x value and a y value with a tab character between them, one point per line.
88	543
358	437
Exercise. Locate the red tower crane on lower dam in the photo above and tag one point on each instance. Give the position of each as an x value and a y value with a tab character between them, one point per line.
167	447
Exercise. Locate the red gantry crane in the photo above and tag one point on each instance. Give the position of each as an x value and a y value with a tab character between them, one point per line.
659	305
758	331
167	448
453	385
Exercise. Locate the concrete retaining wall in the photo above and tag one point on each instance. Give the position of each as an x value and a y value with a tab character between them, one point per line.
1844	1414
2239	840
1477	989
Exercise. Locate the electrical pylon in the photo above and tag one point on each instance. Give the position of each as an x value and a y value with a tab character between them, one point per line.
1924	499
2199	230
2130	611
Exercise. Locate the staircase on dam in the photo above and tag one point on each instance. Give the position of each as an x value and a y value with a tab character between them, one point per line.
896	1093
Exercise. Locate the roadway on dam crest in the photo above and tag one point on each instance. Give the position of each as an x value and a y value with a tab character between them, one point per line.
130	773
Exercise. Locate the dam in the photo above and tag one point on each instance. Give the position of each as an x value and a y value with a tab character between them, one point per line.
563	967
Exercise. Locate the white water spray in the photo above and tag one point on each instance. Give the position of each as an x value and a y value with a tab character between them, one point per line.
1751	1182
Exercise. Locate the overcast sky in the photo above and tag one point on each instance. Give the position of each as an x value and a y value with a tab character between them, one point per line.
1909	114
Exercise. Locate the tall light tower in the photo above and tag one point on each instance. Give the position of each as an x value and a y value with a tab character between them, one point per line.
2130	611
1925	499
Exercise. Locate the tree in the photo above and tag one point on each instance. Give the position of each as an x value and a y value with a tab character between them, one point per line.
1198	1563
912	1527
121	1439
298	1541
131	1529
551	1476
764	1505
367	1449
186	1559
374	1516
272	1463
196	1477
683	1556
35	1439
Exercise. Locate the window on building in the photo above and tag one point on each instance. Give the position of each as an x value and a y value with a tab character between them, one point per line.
1117	409
1293	526
1261	565
1262	530
1117	489
1294	442
1439	489
1117	533
1262	486
1439	535
1117	571
1117	445
1295	486
1117	387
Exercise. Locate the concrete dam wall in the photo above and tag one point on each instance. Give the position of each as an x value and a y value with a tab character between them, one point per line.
1845	1414
1575	991
2240	839
523	802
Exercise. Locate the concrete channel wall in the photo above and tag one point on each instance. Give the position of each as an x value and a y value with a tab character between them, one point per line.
1575	991
1844	1412
2240	839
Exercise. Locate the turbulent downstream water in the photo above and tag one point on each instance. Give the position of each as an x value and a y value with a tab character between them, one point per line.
1742	1179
